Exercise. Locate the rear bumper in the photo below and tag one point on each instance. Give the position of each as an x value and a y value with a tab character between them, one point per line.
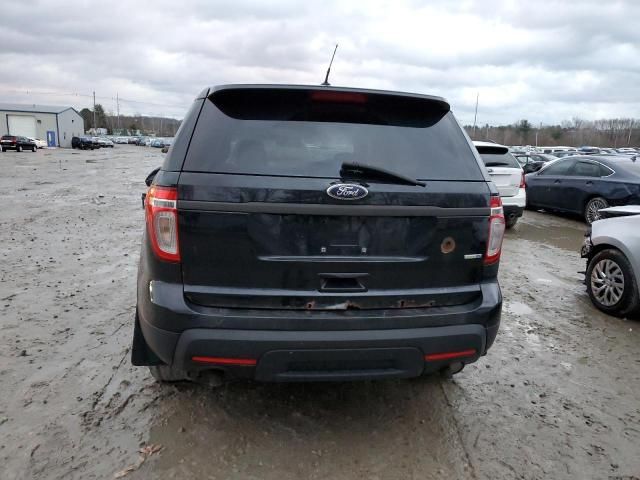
518	200
266	347
514	206
277	356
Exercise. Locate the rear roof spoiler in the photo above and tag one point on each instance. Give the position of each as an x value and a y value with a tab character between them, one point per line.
442	104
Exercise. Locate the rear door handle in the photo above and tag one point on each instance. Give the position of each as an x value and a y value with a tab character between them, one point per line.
557	181
589	182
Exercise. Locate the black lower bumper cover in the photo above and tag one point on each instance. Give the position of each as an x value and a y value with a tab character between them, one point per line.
324	355
512	211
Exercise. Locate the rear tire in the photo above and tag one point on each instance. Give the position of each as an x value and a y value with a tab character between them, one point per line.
34	149
4	150
18	148
450	370
511	222
592	209
611	284
166	373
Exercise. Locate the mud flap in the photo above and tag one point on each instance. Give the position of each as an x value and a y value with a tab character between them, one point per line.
141	354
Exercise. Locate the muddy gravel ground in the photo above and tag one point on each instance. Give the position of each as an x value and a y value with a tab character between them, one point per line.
558	396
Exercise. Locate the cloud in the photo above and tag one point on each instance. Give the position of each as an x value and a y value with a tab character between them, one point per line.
546	61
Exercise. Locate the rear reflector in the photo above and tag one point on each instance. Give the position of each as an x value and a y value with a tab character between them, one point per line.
434	357
245	362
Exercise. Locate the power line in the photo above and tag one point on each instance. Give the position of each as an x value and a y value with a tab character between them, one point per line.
89	95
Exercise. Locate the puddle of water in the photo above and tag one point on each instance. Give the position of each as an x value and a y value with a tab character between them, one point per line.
557	232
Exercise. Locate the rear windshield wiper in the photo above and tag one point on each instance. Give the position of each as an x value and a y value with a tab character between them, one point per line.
375	174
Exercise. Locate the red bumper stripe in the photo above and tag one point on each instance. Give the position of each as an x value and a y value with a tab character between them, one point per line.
247	362
433	357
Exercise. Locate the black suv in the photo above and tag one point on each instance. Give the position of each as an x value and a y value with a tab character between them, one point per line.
317	233
17	143
83	143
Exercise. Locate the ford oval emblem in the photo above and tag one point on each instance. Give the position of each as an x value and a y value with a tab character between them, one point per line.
347	191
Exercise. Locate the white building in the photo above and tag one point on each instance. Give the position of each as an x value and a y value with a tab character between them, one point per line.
54	125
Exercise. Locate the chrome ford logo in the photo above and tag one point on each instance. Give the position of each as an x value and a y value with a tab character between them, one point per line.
347	191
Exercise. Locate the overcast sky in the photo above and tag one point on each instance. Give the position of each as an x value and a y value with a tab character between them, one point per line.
542	60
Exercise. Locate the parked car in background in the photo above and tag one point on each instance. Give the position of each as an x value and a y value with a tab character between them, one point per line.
157	143
587	150
141	142
83	143
566	153
612	249
324	238
627	151
508	176
39	142
532	162
132	140
554	150
121	140
584	184
105	142
17	143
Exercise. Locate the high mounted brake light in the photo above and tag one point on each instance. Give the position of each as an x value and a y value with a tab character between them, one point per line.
162	222
496	231
338	97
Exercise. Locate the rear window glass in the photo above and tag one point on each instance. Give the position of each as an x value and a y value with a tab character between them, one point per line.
293	133
500	160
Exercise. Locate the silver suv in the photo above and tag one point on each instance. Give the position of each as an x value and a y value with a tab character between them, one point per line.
612	249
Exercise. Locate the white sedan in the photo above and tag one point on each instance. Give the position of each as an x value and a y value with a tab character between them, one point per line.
39	142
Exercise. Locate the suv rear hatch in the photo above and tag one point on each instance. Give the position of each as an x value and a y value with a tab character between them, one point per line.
505	171
257	228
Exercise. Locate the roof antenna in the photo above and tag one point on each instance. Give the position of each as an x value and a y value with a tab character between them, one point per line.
326	78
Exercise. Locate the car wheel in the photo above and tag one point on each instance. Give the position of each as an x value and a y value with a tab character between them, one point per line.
592	209
165	373
611	284
511	222
33	149
4	150
18	148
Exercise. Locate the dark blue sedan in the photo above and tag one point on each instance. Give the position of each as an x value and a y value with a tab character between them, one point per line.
585	184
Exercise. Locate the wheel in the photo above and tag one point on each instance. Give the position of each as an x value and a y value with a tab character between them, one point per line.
611	284
4	150
450	370
511	222
592	209
18	148
33	149
165	373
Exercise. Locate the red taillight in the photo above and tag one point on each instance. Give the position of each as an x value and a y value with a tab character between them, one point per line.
338	97
434	357
162	222
496	231
243	362
523	184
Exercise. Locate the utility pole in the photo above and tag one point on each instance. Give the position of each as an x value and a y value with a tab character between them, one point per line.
630	128
94	112
537	131
118	108
160	124
475	116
